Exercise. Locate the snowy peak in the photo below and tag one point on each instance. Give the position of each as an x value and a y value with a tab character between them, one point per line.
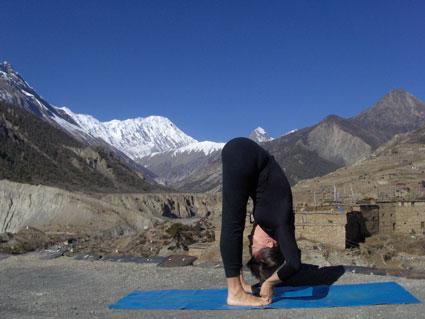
15	90
136	137
206	147
7	67
8	73
260	135
11	77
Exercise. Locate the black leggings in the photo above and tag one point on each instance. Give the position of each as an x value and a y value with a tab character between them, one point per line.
250	171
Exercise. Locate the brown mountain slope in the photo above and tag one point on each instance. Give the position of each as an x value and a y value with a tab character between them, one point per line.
396	112
332	143
396	170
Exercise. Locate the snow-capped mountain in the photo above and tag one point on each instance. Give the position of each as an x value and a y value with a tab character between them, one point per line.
204	147
136	137
260	135
172	157
87	156
15	91
156	143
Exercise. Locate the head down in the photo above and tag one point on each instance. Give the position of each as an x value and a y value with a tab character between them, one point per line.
266	256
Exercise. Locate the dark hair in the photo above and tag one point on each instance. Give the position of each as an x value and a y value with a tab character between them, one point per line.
266	262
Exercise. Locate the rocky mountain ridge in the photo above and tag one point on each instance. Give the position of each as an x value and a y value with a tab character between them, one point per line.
396	112
335	141
155	146
332	143
149	141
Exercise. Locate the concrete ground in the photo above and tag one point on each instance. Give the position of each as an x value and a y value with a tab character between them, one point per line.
68	288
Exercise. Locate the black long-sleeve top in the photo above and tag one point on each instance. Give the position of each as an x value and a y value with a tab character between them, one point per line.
251	171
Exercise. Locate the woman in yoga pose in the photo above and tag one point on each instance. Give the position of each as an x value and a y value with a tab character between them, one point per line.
250	171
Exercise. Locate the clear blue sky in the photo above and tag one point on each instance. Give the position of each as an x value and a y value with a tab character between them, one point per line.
217	69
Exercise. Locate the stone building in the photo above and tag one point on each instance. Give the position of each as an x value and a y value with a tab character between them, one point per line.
324	225
370	212
342	226
337	226
346	227
404	217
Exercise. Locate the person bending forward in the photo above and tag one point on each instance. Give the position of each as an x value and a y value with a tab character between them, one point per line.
250	171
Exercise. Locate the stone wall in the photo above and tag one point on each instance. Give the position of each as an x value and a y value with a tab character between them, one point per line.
326	227
405	217
387	217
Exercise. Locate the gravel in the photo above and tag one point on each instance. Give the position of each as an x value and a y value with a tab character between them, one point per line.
69	288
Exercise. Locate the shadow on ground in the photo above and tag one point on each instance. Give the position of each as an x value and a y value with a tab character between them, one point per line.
319	278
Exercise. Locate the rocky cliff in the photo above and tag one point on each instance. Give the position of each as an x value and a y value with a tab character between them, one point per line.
51	208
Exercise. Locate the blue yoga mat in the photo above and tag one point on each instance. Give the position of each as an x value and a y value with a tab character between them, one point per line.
364	294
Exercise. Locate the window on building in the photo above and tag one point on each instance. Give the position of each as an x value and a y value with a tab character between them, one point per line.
422	225
393	226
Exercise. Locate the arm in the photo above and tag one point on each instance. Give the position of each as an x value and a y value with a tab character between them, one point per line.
292	264
288	247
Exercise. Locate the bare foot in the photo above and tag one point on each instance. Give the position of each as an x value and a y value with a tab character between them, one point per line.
241	298
245	286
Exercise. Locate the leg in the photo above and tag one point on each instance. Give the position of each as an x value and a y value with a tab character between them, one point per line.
235	194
